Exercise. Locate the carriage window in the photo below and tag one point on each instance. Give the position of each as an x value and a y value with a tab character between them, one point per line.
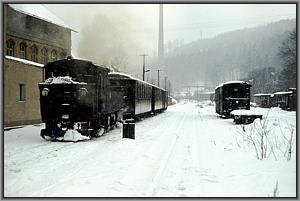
143	91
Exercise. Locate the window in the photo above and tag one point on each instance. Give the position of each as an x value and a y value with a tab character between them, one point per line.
53	55
45	56
22	95
23	50
63	55
34	52
10	47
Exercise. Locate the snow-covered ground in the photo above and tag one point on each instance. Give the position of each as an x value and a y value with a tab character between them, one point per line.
187	151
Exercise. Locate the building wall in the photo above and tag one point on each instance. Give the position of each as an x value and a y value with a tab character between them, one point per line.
22	28
29	28
21	112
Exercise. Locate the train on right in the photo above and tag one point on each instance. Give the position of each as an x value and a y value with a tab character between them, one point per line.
286	100
232	95
235	95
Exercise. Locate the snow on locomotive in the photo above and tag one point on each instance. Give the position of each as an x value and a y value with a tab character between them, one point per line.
76	94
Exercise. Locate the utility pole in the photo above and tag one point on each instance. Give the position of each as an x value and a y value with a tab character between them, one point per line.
158	77
143	55
169	88
166	83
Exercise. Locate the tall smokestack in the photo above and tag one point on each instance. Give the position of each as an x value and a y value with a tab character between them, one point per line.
161	40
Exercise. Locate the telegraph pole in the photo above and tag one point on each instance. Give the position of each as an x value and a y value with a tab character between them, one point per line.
143	55
158	76
169	88
166	83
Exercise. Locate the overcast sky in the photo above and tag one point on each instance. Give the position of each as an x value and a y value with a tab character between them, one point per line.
187	22
111	30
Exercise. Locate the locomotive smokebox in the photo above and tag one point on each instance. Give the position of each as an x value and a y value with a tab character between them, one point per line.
129	128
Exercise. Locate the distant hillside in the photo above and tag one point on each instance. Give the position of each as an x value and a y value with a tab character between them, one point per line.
228	56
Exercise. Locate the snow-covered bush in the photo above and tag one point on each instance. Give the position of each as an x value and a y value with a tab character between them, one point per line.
269	137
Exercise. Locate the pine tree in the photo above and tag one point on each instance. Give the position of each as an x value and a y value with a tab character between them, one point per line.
288	76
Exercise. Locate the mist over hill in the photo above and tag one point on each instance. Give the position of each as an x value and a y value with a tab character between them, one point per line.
228	56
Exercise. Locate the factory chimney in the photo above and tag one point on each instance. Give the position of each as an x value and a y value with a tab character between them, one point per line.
161	64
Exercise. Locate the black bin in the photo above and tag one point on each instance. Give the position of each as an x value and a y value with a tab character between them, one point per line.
129	128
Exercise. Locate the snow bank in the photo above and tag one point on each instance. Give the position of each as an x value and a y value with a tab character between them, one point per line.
61	80
74	136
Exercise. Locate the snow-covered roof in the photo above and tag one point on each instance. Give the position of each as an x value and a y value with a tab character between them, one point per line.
283	92
133	78
24	61
232	82
244	112
41	12
262	95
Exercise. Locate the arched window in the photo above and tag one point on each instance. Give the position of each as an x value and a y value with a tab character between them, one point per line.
23	52
34	53
63	55
10	47
45	55
53	55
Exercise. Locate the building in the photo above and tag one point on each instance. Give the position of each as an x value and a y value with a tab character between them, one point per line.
29	42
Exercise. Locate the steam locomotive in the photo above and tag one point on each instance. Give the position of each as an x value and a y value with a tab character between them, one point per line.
232	95
79	95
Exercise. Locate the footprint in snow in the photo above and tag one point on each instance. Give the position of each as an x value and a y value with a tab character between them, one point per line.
15	170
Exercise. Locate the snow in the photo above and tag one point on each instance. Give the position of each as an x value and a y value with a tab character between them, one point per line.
283	93
244	112
231	82
74	136
255	95
61	80
187	151
24	61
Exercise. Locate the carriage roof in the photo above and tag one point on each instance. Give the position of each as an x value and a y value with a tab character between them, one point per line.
233	82
258	95
120	75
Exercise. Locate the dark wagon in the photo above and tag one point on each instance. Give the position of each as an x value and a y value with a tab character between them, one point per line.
232	95
141	98
287	100
76	94
263	100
